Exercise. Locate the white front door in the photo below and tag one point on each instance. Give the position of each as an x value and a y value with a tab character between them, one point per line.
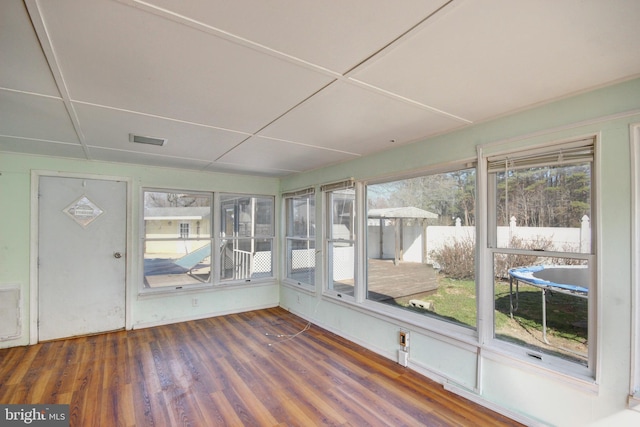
81	250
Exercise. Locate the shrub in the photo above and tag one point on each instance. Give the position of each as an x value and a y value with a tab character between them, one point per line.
457	260
504	262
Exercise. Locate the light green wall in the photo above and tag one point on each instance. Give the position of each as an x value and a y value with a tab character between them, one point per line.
143	310
516	386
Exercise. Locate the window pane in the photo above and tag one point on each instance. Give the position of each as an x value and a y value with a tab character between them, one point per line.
301	216
177	245
176	215
342	267
300	244
264	215
421	245
342	225
244	259
545	208
301	260
246	216
341	241
246	226
176	262
541	303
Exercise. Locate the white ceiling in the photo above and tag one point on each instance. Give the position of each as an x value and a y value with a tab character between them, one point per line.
276	87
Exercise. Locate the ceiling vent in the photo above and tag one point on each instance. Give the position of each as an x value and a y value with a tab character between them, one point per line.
139	139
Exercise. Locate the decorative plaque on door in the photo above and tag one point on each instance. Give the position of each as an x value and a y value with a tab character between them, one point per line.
83	211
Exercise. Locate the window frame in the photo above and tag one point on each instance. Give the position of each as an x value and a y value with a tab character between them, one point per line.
288	198
237	238
429	322
634	390
214	281
327	191
211	281
486	259
184	230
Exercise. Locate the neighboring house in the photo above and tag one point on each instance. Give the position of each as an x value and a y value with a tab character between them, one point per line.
178	224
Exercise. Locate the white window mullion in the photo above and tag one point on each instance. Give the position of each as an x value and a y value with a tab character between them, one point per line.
361	244
634	392
484	265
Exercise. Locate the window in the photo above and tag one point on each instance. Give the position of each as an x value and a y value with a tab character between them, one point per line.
421	245
540	241
179	245
184	230
246	233
300	237
340	238
172	256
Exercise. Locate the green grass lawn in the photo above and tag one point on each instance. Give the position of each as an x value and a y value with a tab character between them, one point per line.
455	300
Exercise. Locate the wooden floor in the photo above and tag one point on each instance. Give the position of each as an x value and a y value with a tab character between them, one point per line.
229	371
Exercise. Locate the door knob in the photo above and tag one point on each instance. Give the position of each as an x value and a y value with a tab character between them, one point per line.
117	255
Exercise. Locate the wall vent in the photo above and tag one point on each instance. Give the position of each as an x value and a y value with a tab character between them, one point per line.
150	140
10	320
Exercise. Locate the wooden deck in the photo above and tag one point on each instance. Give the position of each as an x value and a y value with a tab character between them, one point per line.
261	368
400	282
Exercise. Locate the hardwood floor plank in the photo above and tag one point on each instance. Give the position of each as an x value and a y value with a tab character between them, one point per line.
310	398
242	392
23	366
228	415
39	387
261	368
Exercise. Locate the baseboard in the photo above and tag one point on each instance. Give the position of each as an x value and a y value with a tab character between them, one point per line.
162	322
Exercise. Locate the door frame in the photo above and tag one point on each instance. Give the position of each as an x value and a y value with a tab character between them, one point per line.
34	247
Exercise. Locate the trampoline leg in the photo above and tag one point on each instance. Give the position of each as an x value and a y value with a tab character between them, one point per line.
511	296
544	316
513	308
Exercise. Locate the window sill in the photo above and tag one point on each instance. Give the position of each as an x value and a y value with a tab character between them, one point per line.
566	372
459	336
310	289
634	402
206	287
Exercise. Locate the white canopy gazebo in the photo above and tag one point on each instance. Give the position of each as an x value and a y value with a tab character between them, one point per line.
398	215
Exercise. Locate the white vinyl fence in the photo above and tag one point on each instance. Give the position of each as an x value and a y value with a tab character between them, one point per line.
564	239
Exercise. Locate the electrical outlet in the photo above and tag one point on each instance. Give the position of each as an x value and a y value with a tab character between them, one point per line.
195	302
403	339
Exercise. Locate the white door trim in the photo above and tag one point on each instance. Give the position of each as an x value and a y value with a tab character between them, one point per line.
34	243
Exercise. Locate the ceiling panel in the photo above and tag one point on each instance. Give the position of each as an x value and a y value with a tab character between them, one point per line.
336	35
118	156
103	127
31	116
41	148
285	156
482	59
245	169
24	66
118	56
357	120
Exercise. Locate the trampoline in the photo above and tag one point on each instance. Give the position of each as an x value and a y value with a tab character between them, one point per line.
566	279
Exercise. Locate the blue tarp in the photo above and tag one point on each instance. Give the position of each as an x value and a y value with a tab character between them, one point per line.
159	266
